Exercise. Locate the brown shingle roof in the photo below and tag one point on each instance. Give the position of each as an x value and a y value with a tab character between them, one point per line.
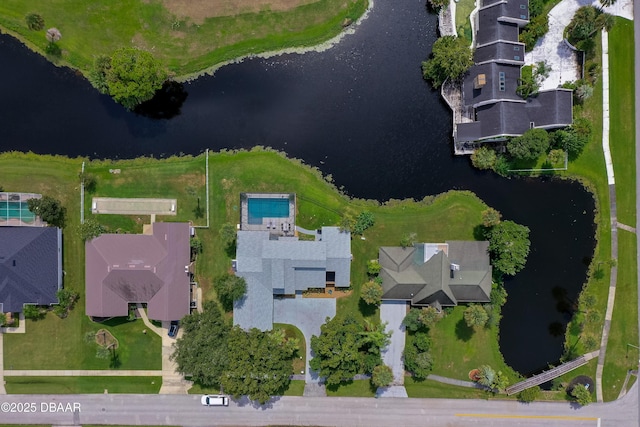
130	268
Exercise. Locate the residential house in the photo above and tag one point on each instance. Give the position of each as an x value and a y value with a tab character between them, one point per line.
284	266
30	267
153	269
439	274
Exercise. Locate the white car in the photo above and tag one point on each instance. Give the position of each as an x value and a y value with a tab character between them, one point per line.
214	400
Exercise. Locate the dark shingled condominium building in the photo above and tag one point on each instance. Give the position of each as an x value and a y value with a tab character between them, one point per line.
140	268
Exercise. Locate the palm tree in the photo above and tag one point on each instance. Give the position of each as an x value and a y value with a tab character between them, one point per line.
607	3
486	376
53	35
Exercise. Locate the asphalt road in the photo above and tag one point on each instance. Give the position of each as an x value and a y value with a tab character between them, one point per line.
181	410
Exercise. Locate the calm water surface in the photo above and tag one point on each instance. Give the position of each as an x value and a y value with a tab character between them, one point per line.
359	111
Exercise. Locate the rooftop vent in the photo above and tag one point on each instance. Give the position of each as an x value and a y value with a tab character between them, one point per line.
479	81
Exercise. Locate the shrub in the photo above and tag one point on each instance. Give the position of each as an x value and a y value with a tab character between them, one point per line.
531	145
363	221
373	267
66	300
418	363
491	217
196	244
90	229
33	312
581	394
534	30
422	341
409	239
475	315
34	21
484	158
583	92
371	293
529	395
555	157
382	376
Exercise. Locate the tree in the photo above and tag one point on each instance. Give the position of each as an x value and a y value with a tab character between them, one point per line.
583	92
536	28
419	363
422	341
259	364
412	320
346	224
382	376
438	5
408	239
133	76
89	180
49	210
531	145
98	74
337	351
34	21
555	157
483	158
374	337
429	316
66	301
195	244
201	352
90	229
486	376
491	217
3	319
581	394
373	267
450	59
607	3
364	220
475	315
509	247
371	293
229	288
529	395
228	234
53	35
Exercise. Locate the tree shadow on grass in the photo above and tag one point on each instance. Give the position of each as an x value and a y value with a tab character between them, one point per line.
367	310
479	232
463	332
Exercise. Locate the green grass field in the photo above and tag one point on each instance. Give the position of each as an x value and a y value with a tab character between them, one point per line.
299	362
82	385
463	23
186	45
358	388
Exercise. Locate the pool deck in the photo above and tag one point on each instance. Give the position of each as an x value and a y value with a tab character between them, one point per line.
285	226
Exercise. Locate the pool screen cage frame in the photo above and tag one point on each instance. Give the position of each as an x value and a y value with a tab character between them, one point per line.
289	221
7	197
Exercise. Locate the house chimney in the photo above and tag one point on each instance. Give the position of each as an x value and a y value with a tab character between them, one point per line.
479	81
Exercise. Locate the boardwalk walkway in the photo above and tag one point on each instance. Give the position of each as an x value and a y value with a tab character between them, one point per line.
551	374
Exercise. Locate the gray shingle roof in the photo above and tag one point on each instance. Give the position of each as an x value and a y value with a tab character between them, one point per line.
425	282
501	83
131	268
500	52
286	266
30	266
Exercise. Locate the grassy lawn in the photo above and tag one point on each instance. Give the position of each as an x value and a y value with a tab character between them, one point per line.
434	389
296	388
186	44
358	388
457	349
463	24
82	385
181	178
299	362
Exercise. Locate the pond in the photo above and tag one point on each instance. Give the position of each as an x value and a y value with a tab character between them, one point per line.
361	112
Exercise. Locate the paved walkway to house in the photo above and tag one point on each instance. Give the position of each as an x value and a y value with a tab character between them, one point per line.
626	228
172	381
553	49
307	314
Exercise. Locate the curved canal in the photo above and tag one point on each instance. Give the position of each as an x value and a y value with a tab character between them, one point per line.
361	112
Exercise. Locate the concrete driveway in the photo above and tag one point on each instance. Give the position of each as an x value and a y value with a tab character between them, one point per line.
307	314
393	313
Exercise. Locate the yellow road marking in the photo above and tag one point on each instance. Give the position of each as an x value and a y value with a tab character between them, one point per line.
542	417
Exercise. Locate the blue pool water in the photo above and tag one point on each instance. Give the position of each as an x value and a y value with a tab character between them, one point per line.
267	208
9	210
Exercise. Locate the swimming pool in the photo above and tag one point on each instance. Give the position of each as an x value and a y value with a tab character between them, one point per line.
260	208
15	210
